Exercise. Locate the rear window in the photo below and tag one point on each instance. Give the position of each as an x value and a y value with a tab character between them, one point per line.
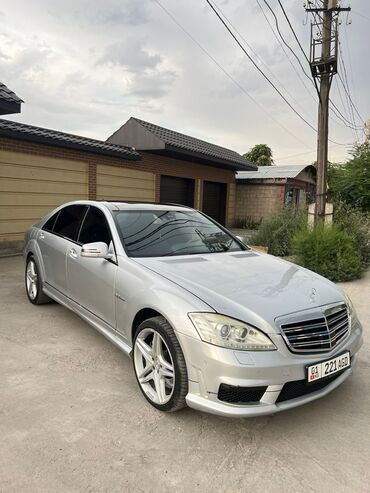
158	233
69	220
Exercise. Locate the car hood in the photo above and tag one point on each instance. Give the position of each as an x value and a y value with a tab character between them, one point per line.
247	285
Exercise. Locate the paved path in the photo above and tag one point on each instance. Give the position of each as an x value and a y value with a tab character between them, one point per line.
73	420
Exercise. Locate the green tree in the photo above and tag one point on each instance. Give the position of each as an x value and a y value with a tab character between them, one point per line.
260	154
350	182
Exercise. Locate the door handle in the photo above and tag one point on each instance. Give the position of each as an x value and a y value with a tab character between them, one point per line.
72	253
41	236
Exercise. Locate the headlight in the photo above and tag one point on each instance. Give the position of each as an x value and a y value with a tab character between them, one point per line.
230	333
351	309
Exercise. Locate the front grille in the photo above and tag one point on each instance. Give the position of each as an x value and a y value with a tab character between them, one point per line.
318	334
240	395
298	388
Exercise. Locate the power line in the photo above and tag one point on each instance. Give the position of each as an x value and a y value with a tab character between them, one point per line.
344	120
293	31
229	76
256	54
286	44
285	53
350	61
259	69
304	54
304	153
341	121
313	83
346	80
361	15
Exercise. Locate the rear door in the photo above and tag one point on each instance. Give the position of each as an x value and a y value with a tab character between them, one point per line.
214	200
91	281
58	234
177	190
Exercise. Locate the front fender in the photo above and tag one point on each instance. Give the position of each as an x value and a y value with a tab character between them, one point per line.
139	288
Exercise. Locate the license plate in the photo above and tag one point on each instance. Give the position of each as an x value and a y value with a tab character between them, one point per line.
329	367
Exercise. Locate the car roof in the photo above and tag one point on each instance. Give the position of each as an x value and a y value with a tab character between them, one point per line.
118	205
114	206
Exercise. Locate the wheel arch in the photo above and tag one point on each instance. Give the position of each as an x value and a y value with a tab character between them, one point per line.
142	315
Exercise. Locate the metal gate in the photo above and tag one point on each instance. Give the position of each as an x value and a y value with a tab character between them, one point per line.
214	200
177	190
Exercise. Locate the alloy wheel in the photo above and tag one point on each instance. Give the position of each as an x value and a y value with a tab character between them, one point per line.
31	279
154	366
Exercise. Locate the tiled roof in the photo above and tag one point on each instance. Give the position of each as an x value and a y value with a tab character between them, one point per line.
62	139
187	143
287	171
8	95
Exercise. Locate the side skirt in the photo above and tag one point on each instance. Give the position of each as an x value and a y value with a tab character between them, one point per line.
106	330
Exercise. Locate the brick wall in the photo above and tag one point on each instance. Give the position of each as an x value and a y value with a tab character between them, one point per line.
156	164
258	201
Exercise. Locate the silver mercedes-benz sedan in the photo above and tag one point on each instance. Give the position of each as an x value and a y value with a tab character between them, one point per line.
207	321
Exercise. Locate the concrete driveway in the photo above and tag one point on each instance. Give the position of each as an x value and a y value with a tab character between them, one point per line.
73	420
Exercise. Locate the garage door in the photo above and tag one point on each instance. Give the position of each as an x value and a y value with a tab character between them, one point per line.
30	186
177	190
214	200
116	183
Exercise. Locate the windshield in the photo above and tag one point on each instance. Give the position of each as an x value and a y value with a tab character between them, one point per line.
159	233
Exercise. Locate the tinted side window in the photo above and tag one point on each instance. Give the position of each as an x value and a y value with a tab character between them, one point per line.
69	220
95	228
49	225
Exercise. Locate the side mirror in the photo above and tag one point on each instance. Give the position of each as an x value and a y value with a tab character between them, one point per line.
98	249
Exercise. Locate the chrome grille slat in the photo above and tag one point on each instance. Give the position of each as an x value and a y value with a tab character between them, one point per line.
337	320
344	331
307	336
333	316
337	327
308	327
311	343
316	334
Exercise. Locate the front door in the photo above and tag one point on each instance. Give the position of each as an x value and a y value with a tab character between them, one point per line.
91	281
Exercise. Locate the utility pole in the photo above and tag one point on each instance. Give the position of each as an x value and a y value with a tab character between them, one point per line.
367	131
324	65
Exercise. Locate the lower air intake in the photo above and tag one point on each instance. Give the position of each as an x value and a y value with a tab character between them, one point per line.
240	395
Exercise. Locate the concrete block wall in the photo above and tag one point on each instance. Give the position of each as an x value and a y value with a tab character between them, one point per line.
258	201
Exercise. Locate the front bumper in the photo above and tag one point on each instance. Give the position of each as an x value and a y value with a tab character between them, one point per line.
210	366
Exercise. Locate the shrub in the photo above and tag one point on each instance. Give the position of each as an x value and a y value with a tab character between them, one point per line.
329	251
357	224
350	182
246	223
276	233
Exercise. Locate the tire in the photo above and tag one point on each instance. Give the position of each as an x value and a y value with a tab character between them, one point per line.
154	367
33	283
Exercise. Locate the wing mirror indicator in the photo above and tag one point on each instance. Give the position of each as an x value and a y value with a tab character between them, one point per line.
98	249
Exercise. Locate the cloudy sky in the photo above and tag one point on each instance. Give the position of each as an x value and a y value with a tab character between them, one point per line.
86	66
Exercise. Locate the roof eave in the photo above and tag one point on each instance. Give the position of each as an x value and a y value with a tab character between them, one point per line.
235	166
66	145
9	107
